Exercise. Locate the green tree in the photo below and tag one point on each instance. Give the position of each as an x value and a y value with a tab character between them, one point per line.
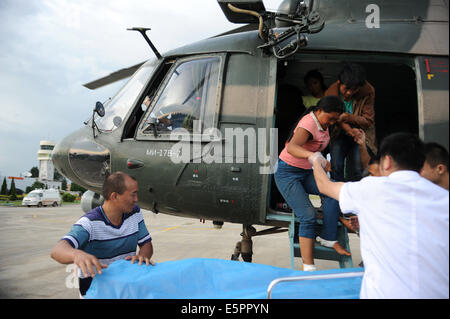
58	177
12	191
67	197
64	184
77	188
4	190
34	171
37	185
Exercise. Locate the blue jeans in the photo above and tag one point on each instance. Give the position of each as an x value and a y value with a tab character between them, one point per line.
344	148
295	184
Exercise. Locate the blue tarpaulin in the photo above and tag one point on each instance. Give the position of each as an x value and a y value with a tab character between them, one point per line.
203	278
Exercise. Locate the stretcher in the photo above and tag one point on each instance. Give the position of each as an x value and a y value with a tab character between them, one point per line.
204	278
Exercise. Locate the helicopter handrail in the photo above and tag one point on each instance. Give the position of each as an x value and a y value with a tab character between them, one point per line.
275	282
253	13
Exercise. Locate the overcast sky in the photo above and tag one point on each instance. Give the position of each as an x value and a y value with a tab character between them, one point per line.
49	48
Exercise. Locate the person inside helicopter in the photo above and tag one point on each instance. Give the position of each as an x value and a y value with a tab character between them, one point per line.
358	96
316	87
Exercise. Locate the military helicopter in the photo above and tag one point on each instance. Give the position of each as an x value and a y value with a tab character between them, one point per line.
196	125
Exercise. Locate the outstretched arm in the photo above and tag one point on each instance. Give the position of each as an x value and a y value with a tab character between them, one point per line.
325	186
360	139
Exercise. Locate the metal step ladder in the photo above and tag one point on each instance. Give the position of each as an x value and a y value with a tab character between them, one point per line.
320	252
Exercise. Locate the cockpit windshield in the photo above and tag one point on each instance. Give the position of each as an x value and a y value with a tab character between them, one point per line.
116	109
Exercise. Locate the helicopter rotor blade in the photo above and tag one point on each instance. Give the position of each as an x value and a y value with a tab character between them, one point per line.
113	77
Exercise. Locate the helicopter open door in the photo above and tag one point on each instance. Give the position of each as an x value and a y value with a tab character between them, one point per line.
403	102
398	95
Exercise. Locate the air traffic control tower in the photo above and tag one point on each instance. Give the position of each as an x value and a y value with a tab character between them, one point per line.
46	168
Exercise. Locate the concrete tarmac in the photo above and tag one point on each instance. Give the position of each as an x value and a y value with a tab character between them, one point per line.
27	235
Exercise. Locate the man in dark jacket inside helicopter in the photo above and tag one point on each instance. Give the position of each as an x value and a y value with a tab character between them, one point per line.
358	96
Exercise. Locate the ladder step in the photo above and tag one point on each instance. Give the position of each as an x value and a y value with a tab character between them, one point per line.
320	252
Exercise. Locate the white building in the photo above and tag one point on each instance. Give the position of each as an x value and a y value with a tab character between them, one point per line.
46	168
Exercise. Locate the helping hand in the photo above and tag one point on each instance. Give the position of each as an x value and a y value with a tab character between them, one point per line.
141	259
359	136
88	263
317	158
343	118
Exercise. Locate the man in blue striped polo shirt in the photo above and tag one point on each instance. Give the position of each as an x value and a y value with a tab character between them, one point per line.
107	233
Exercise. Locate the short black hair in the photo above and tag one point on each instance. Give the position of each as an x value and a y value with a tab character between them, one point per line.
436	154
315	74
328	104
115	183
374	160
406	149
352	75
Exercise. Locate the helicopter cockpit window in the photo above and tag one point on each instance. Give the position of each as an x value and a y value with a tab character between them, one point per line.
188	98
116	109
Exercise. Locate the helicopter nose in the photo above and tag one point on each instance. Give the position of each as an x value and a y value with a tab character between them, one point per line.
82	160
60	158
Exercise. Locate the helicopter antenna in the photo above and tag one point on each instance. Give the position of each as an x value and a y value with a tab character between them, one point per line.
143	32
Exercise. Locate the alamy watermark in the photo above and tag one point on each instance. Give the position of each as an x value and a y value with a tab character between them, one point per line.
236	145
71	281
373	19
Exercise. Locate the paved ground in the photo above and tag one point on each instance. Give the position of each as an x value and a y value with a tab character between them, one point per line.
27	236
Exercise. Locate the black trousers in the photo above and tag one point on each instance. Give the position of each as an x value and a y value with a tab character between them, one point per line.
84	284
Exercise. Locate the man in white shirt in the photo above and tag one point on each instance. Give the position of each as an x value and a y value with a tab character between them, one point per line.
404	222
435	167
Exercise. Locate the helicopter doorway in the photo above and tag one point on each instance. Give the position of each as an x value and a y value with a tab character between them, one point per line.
396	97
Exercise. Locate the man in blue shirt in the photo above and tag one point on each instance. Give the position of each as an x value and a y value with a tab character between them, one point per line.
107	233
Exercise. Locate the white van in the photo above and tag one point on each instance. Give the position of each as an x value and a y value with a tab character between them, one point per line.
42	197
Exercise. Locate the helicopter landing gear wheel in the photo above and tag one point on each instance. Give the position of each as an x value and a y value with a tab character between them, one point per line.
244	247
237	251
